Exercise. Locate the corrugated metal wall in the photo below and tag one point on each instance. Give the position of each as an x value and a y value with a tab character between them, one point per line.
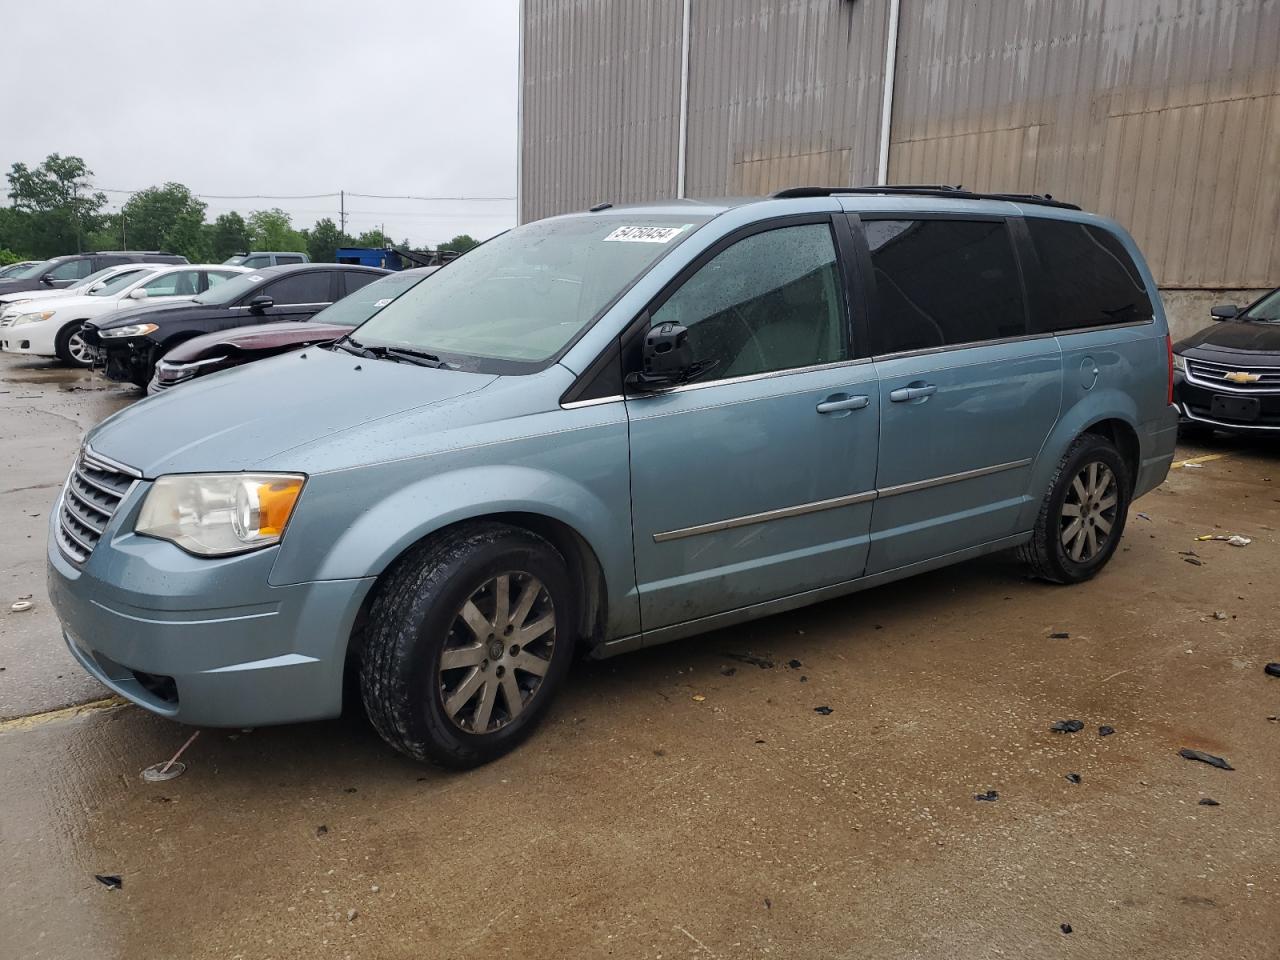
601	103
783	93
1162	113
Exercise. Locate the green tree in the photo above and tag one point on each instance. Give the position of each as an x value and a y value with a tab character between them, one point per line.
374	239
272	230
7	257
228	235
166	218
461	243
15	231
63	209
324	239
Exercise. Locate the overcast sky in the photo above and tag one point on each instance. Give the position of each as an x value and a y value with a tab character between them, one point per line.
284	97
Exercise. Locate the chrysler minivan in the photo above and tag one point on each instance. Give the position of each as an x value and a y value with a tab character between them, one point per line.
613	429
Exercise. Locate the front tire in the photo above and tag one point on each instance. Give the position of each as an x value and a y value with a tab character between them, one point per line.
1082	516
467	642
70	346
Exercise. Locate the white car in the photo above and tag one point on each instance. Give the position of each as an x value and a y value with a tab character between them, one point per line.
10	300
50	327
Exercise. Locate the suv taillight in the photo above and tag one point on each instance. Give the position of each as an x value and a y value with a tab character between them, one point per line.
1168	347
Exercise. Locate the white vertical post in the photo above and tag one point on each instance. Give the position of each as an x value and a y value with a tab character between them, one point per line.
519	109
886	106
684	105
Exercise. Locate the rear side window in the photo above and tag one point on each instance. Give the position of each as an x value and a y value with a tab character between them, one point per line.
943	282
355	281
1089	278
287	259
311	287
772	301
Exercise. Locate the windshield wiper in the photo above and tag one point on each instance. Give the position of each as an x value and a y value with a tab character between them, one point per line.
398	354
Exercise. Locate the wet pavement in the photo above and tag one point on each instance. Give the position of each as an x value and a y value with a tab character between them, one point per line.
640	822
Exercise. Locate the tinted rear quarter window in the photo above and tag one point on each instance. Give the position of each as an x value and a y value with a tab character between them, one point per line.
943	282
1089	279
311	287
354	281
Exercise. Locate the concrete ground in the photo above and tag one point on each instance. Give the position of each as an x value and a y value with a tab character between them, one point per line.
642	822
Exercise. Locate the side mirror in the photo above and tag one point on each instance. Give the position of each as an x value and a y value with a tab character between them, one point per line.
1225	311
96	287
47	280
667	359
261	303
137	293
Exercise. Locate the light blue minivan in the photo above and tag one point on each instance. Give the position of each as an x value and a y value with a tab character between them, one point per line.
610	430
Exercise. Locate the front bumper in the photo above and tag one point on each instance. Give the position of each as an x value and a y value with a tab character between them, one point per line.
1195	404
35	339
125	361
203	641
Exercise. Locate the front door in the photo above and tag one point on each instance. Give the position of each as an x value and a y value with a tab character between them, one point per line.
967	396
755	482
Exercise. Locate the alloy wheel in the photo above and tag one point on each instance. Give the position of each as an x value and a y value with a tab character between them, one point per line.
78	349
497	653
1089	512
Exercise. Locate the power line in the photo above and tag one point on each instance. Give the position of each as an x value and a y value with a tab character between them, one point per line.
320	196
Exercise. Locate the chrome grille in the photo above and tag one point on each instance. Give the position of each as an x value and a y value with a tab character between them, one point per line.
1209	373
93	492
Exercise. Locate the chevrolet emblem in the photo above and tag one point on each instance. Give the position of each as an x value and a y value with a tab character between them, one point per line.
1240	376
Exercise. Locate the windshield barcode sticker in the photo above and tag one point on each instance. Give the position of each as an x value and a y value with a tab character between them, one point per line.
644	234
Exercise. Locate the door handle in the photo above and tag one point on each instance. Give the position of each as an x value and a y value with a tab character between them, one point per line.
917	391
836	404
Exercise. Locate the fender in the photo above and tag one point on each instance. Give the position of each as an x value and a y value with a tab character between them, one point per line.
368	542
1093	407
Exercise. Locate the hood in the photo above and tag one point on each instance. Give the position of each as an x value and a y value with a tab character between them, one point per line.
155	312
8	297
1233	339
262	336
237	419
66	302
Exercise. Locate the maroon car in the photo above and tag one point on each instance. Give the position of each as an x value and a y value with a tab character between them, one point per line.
231	348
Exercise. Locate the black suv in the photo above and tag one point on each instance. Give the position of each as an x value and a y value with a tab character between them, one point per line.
65	271
131	342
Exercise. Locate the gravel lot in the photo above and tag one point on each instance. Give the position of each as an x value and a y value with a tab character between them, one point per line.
681	802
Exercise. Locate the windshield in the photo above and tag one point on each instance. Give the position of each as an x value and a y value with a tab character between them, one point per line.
233	261
355	308
28	272
524	295
231	290
119	282
1266	310
82	286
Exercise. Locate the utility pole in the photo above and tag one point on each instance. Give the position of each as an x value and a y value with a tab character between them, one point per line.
342	211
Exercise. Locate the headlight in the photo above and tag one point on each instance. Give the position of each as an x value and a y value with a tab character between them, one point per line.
1179	363
33	317
132	330
215	514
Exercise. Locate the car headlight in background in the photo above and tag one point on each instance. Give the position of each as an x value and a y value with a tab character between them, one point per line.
33	317
132	330
1179	363
216	514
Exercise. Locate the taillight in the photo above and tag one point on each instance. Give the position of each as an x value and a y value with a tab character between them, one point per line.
1168	346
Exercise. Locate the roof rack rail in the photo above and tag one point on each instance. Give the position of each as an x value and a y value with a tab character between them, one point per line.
923	190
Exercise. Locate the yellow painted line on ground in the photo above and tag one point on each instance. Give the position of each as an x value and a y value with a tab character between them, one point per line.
1204	459
39	719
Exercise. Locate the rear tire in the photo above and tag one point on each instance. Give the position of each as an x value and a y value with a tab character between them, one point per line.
1083	514
468	640
70	347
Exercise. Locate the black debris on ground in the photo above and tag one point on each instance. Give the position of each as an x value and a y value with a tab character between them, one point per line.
768	904
803	678
321	830
348	789
1060	635
1194	560
989	797
1106	731
824	710
1074	777
794	664
761	741
1272	669
1203	757
764	663
1209	802
1064	927
111	881
728	671
1067	726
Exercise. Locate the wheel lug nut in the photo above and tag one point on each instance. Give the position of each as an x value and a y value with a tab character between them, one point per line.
501	670
515	649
